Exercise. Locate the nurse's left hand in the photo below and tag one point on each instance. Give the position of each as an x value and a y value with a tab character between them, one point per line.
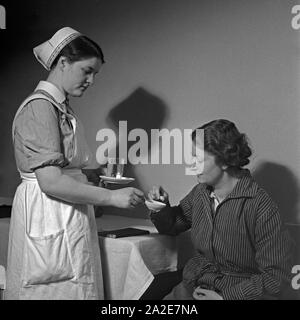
204	294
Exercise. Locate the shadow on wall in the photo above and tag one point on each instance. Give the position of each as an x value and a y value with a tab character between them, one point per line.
141	110
282	186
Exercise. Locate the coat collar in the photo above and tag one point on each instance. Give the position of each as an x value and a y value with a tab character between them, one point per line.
246	187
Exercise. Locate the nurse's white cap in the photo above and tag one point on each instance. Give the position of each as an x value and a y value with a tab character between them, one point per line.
49	50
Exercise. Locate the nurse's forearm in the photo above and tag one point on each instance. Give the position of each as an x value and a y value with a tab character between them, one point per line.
68	189
54	183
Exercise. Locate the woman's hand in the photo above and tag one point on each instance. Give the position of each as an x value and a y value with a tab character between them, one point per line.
158	194
127	198
204	294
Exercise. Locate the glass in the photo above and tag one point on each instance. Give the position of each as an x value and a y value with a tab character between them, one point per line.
115	167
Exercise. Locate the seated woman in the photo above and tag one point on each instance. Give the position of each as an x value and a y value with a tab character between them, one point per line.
242	249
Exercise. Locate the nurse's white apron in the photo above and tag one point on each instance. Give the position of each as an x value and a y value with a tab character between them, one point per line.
53	245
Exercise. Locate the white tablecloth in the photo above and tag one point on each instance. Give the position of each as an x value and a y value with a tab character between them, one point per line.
129	264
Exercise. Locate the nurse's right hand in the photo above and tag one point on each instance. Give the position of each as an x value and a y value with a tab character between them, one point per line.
158	194
127	198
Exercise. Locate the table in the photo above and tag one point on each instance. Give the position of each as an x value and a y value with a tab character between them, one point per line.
130	264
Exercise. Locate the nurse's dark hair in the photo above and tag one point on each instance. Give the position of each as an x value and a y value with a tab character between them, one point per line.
225	142
80	48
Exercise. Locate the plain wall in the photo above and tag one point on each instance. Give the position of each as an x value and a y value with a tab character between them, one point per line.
171	64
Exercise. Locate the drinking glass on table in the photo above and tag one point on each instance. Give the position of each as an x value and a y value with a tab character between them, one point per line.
115	167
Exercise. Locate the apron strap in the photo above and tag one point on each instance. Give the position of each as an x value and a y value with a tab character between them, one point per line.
35	96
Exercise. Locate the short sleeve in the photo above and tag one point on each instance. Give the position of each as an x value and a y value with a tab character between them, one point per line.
37	136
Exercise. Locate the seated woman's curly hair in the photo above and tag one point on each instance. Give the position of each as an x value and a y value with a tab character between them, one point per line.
226	143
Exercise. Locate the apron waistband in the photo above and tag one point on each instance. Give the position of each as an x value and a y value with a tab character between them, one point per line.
31	176
28	176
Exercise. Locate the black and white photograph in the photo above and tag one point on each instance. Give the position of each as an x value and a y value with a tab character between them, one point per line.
150	153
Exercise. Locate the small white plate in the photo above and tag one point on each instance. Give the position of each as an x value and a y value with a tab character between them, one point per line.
123	180
154	205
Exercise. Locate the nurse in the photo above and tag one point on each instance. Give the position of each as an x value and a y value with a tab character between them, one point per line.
53	245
